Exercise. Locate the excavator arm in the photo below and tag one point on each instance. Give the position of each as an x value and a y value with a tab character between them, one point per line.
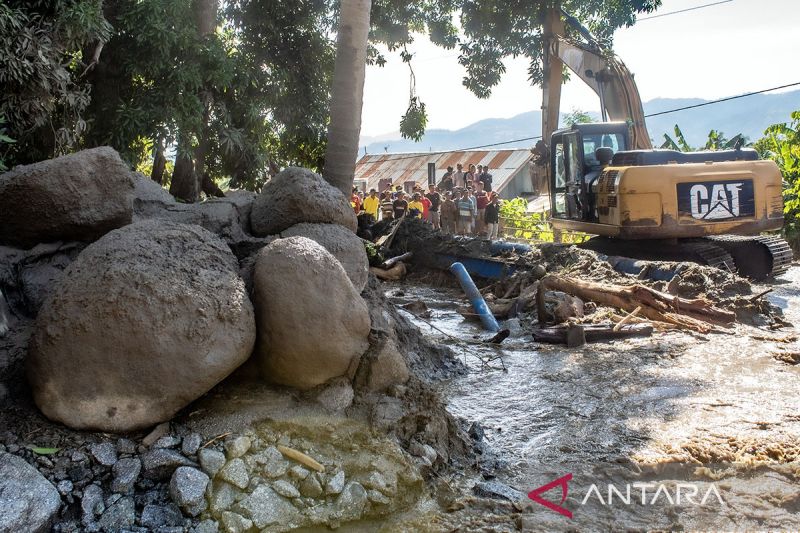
600	69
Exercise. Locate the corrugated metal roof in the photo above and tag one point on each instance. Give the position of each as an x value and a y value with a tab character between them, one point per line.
400	168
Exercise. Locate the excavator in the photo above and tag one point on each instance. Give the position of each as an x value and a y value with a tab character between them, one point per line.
605	179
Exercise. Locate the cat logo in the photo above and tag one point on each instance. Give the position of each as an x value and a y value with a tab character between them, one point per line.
714	201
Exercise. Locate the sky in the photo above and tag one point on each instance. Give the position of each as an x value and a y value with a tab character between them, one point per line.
718	51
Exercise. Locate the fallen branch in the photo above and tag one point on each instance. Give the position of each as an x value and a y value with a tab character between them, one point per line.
627	318
301	458
592	333
695	314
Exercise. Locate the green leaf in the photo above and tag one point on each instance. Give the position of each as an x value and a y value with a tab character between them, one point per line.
44	451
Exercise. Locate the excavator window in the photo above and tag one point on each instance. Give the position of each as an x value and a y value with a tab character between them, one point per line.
591	143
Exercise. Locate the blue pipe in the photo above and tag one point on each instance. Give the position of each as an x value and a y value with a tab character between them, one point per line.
477	266
475	297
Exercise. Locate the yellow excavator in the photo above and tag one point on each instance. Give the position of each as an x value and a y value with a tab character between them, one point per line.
606	179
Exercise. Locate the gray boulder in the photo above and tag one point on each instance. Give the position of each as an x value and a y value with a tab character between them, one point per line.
28	502
80	197
342	243
147	319
298	195
312	323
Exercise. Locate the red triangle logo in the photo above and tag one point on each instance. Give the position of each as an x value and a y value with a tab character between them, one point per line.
535	495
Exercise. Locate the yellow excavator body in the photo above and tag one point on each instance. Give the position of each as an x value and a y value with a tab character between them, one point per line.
684	201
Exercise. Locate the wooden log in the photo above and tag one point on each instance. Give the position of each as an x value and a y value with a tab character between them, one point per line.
698	314
395	273
592	333
389	263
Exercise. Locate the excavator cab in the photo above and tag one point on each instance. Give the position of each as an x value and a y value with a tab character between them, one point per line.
578	156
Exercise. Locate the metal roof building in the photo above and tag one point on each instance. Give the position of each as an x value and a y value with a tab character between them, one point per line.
510	169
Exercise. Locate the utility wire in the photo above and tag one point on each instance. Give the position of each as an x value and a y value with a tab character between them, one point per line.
683	10
425	154
723	99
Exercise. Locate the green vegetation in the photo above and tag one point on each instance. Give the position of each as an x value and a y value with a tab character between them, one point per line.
231	90
781	143
716	141
519	223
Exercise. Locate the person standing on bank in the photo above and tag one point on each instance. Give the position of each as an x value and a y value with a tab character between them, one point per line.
436	200
492	217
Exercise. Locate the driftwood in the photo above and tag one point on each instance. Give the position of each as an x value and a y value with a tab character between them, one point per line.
696	314
389	263
398	271
592	333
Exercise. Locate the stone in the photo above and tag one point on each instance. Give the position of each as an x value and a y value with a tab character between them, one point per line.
118	516
423	451
85	195
237	447
337	395
376	496
211	461
298	195
335	484
187	488
286	489
378	482
235	473
92	504
298	286
160	463
235	523
167	300
167	441
156	433
206	526
386	412
342	243
387	369
298	472
497	490
272	461
266	507
126	446
191	443
28	502
105	453
157	516
310	487
352	502
64	487
222	496
126	472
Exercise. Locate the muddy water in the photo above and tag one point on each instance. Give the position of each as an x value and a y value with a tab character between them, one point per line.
716	417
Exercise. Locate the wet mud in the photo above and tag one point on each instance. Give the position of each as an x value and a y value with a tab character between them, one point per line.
714	417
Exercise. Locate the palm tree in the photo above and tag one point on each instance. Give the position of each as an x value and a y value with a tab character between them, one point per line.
347	94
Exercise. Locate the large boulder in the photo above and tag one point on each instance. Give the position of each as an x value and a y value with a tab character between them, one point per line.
342	243
145	320
79	197
298	195
312	323
28	502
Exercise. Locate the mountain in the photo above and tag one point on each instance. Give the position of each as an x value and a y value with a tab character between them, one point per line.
750	116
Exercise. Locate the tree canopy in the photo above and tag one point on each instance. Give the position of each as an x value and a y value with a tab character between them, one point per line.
244	99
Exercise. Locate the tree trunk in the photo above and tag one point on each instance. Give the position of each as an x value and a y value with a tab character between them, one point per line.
159	164
347	94
184	185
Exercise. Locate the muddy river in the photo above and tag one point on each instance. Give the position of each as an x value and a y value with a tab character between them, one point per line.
677	431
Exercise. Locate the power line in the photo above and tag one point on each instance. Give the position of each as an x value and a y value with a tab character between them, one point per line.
722	100
424	154
683	10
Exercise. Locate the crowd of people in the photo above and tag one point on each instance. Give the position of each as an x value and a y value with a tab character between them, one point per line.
462	203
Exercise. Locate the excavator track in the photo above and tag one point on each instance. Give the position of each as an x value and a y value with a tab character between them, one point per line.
758	257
